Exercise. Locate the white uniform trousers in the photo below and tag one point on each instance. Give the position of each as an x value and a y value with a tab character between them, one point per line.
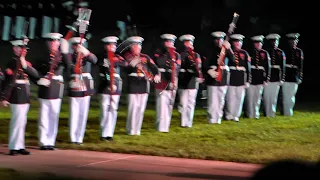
137	105
56	24
46	25
48	120
164	107
108	115
270	98
187	106
18	124
234	102
253	101
289	90
6	28
79	109
32	27
19	26
216	101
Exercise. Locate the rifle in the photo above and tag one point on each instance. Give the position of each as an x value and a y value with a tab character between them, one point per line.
222	56
83	19
111	57
173	71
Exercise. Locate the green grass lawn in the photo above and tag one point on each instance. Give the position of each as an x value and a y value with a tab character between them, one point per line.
250	140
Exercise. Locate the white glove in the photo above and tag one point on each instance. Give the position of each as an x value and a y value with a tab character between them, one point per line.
157	78
299	81
64	46
281	82
43	82
5	103
265	83
199	80
114	88
23	62
247	85
226	44
83	50
73	84
134	63
212	73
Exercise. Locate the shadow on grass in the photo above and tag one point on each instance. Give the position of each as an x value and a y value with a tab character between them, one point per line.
11	174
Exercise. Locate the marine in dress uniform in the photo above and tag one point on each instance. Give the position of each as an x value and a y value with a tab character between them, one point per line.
260	71
240	79
190	76
168	62
139	84
16	93
80	94
278	62
217	90
51	88
294	73
110	87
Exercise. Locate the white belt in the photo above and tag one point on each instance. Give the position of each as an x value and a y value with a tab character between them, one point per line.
136	74
88	75
188	70
292	66
59	78
222	67
114	75
275	66
22	81
163	70
239	68
259	67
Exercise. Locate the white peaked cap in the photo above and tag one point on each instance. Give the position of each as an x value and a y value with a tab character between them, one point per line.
19	42
169	37
136	39
83	4
218	34
257	38
187	37
273	36
110	39
76	40
53	36
293	35
237	37
67	3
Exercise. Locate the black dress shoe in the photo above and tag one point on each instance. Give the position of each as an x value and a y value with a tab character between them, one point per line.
103	138
51	148
44	148
109	138
24	152
13	152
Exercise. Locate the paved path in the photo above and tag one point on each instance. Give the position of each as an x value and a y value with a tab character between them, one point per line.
102	165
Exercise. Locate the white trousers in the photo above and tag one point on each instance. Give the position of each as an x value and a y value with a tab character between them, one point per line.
19	26
79	109
216	101
48	120
137	105
289	91
56	24
32	27
253	101
234	102
18	124
6	28
164	107
108	115
270	98
46	25
187	106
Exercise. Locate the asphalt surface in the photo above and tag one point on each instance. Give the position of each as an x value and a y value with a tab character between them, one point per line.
102	165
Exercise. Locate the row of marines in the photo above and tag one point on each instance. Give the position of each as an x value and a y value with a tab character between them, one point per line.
171	72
